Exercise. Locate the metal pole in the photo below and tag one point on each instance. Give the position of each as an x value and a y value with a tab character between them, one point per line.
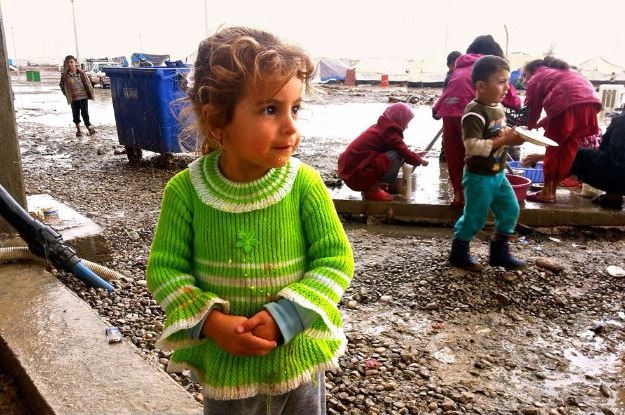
75	33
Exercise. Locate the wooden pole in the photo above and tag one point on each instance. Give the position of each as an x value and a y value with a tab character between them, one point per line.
10	163
507	39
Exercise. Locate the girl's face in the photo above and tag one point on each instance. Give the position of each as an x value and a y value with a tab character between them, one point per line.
494	89
71	65
262	134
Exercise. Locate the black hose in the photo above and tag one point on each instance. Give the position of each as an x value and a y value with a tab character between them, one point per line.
45	242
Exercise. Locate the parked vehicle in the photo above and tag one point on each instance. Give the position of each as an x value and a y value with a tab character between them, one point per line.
94	71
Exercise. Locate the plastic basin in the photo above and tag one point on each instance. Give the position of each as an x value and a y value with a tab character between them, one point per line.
520	185
535	174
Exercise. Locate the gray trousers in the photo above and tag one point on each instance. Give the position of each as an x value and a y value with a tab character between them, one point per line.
308	398
397	161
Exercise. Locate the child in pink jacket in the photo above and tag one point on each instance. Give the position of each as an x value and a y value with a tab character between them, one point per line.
451	104
372	161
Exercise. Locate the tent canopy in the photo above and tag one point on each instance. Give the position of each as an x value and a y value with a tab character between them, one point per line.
598	68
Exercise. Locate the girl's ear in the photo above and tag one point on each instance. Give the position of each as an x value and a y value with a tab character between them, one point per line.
210	128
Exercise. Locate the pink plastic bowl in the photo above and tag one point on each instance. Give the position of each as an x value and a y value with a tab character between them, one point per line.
520	185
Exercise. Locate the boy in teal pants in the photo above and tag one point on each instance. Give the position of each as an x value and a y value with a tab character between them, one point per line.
486	136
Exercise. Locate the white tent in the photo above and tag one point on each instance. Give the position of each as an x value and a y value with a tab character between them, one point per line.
517	60
372	69
598	68
427	71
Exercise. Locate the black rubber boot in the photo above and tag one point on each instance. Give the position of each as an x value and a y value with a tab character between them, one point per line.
500	253
460	257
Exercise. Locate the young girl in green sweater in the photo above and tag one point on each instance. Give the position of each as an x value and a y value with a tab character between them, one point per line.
249	258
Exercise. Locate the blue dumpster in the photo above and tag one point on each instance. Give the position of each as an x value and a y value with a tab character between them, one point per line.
146	103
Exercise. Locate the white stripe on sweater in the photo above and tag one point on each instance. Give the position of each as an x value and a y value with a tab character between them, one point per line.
326	281
175	294
183	277
346	279
280	190
250	282
247	391
262	265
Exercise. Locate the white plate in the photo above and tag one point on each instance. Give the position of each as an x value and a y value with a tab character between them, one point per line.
534	137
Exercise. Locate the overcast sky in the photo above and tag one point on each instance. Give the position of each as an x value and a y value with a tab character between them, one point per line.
43	30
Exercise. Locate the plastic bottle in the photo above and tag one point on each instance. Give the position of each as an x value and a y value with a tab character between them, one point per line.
407	174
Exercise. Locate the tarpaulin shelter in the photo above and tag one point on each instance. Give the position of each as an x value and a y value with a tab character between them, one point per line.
327	70
155	60
123	62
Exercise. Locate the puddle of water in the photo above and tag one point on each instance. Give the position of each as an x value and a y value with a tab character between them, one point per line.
373	322
582	365
590	365
432	186
46	104
347	121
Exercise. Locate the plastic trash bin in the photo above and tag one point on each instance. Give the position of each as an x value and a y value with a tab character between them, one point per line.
33	76
146	103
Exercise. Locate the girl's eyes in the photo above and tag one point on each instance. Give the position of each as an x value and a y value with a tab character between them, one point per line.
273	110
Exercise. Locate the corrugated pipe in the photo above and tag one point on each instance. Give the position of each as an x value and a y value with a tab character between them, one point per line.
17	253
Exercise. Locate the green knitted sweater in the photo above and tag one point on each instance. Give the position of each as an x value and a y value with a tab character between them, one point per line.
238	246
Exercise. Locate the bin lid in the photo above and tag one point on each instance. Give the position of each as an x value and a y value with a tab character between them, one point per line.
161	71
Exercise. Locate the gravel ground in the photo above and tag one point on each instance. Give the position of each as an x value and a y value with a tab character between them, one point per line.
424	338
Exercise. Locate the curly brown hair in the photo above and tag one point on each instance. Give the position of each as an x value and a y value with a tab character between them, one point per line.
227	63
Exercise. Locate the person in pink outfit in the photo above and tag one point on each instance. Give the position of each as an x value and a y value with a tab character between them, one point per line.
571	106
372	161
451	104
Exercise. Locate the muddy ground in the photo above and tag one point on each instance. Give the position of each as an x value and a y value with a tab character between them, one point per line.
423	337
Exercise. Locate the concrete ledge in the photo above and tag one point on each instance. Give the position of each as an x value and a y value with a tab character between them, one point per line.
570	210
80	232
58	344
